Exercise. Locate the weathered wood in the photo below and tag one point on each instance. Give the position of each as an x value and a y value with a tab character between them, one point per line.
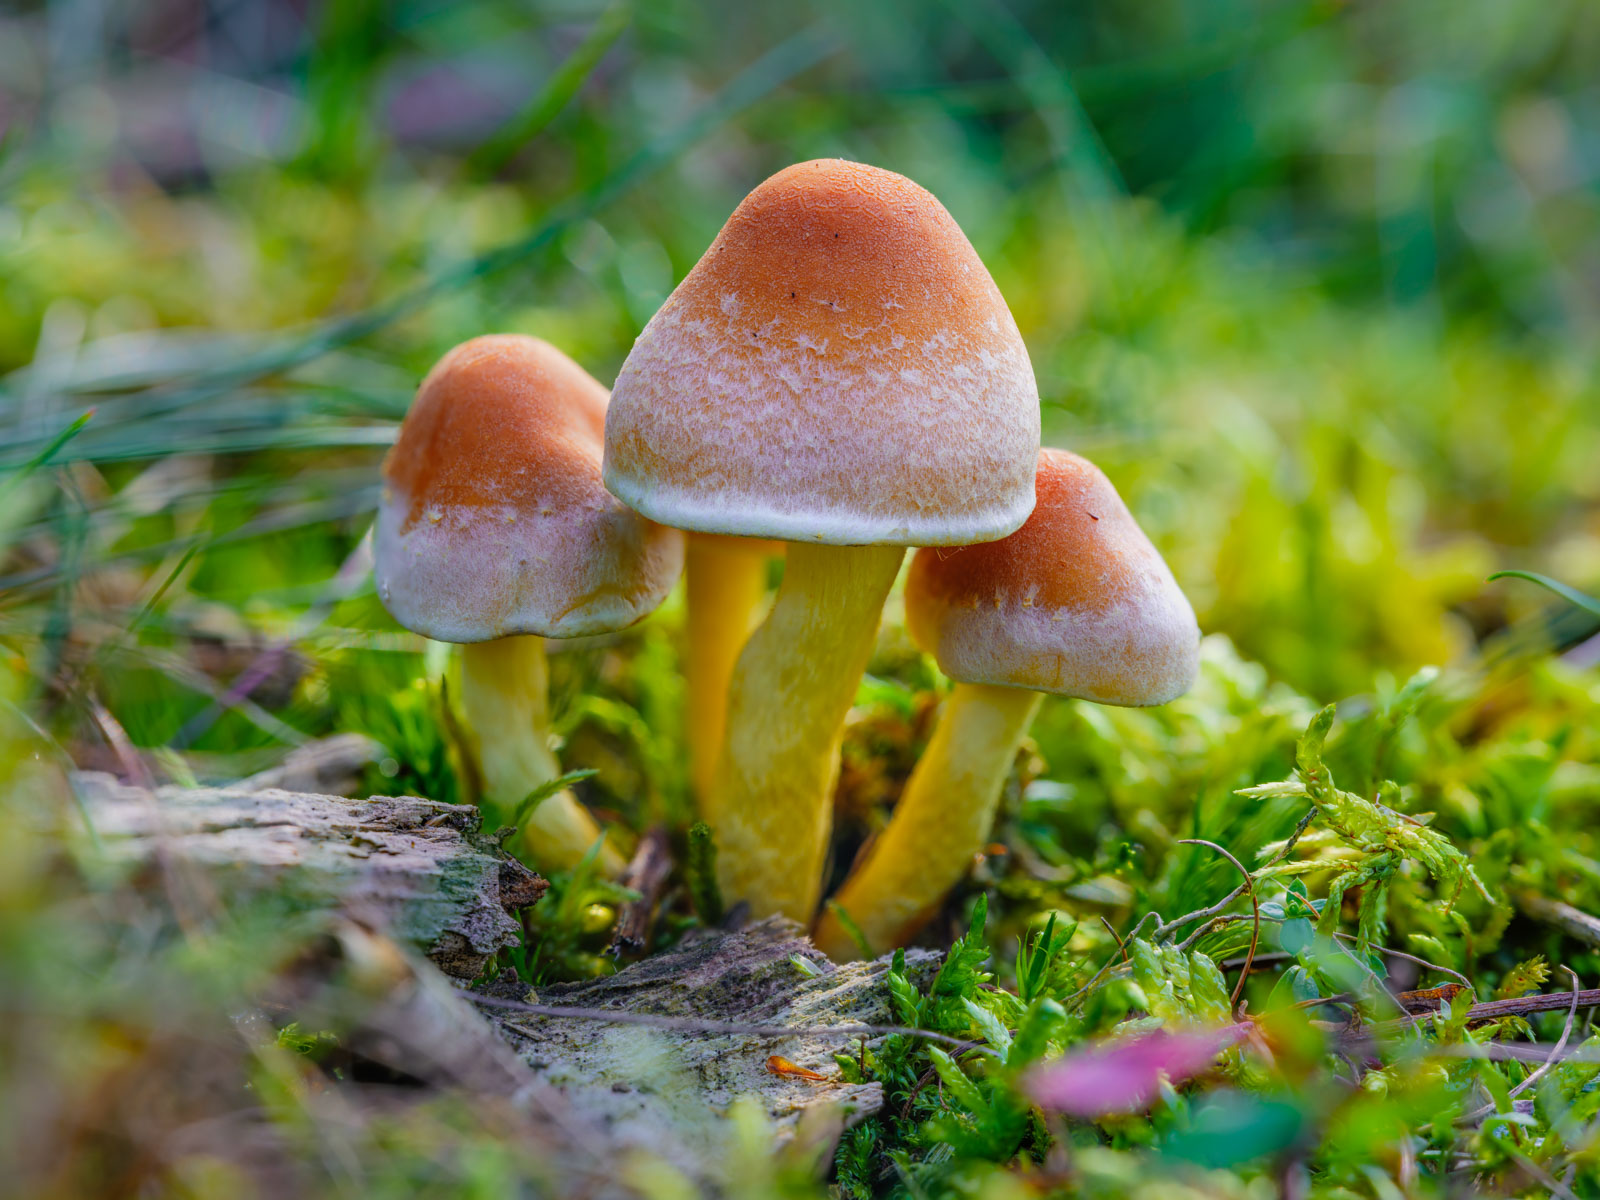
419	871
666	1090
646	874
417	868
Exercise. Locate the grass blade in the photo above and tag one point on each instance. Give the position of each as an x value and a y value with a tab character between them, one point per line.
501	146
1570	594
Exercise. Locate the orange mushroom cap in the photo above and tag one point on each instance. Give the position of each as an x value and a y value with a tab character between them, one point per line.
839	368
494	520
1076	602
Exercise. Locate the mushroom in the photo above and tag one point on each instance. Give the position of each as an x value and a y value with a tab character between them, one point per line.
839	372
1075	603
495	531
726	584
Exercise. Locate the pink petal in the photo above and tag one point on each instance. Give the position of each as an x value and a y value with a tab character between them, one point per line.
1122	1077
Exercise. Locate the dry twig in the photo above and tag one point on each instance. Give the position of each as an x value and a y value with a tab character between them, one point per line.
646	874
1255	912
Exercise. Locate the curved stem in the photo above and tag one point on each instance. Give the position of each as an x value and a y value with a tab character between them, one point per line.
727	585
942	820
772	807
505	696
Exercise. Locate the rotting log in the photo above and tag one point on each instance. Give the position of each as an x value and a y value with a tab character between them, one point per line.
419	869
668	1090
420	872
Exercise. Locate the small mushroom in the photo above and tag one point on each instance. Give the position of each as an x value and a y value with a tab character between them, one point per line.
496	532
1075	603
839	372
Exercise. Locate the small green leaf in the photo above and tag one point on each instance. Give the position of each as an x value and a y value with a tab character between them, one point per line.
1234	1128
907	1004
1294	936
1208	990
1042	1022
995	1033
956	1082
1523	978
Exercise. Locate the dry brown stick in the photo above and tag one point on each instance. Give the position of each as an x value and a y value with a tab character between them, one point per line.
1235	918
1538	1073
1574	922
1255	915
1494	1010
1110	962
1561	1043
646	874
1421	962
1172	927
1122	948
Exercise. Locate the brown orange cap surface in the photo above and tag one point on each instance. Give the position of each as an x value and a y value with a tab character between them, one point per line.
838	368
1076	602
494	520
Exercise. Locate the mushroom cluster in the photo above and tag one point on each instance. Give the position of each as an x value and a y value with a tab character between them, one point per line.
836	380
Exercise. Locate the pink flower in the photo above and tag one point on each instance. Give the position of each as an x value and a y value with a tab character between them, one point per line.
1124	1076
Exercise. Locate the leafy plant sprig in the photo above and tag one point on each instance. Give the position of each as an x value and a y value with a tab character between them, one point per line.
1381	838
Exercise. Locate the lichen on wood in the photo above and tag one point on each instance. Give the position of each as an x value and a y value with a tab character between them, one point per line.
667	1091
417	868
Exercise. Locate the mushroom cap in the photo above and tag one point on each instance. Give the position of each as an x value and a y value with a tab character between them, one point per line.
838	368
1076	602
494	520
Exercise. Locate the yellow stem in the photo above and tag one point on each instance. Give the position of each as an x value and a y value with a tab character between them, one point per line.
505	696
772	807
942	820
727	585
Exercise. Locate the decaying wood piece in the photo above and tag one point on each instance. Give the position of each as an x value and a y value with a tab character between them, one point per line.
416	868
389	1009
667	1091
646	874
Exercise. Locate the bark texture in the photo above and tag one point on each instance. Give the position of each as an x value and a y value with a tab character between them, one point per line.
416	868
668	1091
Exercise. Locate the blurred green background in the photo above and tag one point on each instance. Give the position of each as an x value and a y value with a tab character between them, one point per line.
1317	284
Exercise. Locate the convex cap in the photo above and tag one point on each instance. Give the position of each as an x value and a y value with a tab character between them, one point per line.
838	368
1077	602
494	520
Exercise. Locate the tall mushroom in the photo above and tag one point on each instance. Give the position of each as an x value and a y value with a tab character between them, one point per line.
1075	603
839	372
726	584
496	532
